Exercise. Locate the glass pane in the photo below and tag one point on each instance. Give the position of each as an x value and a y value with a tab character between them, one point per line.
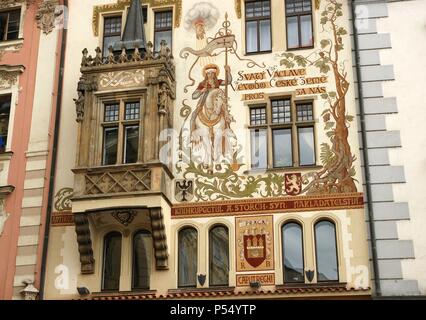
306	31
142	245
109	41
258	116
283	156
293	253
112	26
3	22
281	111
305	112
112	261
111	112
219	256
259	148
249	9
5	102
131	144
163	19
187	274
292	32
326	251
110	146
163	35
306	146
251	36
132	111
265	35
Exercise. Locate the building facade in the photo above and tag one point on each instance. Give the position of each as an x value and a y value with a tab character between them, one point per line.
28	42
209	151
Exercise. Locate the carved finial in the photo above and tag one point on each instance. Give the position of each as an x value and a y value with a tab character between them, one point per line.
84	60
111	57
123	56
136	55
164	50
149	51
98	57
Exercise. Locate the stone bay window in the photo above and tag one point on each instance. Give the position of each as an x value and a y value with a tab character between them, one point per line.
124	101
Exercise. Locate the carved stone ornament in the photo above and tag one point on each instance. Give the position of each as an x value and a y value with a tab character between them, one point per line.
47	14
125	217
84	240
3	216
121	78
13	3
9	75
160	239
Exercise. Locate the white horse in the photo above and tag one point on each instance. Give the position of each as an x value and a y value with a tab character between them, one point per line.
212	137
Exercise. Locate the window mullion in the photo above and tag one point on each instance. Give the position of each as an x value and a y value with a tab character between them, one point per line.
120	151
295	136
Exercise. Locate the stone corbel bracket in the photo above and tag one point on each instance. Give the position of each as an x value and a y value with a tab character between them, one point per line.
159	238
84	241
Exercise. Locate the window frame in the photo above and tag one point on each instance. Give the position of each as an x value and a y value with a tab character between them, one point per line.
258	20
187	227
9	121
163	29
293	125
218	225
299	30
8	11
133	287
111	16
104	239
336	251
285	223
122	123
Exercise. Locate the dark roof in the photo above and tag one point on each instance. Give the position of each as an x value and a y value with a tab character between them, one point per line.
134	33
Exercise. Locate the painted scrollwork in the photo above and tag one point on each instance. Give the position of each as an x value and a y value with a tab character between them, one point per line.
63	199
121	78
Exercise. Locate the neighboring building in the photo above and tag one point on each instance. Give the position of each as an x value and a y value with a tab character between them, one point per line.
28	42
225	166
391	46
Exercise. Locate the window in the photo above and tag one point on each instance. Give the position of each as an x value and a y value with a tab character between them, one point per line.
142	245
112	261
9	24
299	24
291	127
258	26
5	102
292	244
112	32
121	130
187	258
163	29
219	256
326	251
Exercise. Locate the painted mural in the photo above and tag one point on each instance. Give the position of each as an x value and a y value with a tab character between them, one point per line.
210	153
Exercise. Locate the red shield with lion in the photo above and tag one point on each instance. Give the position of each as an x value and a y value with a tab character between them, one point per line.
293	183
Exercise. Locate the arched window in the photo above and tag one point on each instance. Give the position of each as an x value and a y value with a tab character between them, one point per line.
112	261
142	245
326	251
219	256
187	258
292	244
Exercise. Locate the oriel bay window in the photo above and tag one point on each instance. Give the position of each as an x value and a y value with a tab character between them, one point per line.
9	24
121	132
258	26
282	134
163	26
299	24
